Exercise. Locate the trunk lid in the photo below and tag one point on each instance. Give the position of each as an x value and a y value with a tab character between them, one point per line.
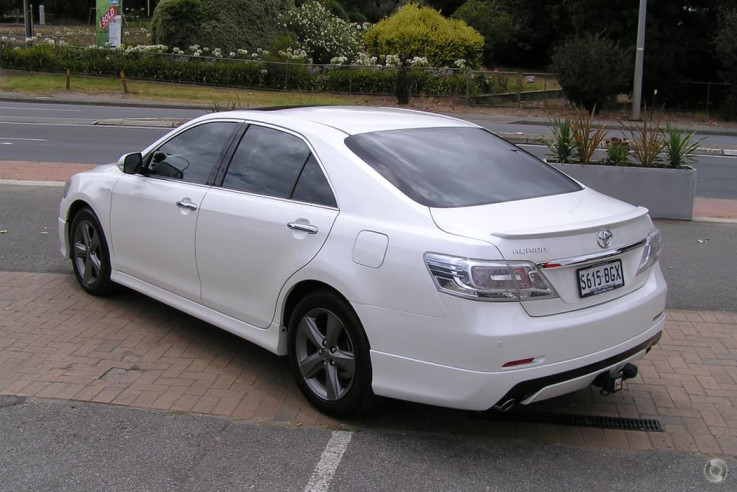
559	233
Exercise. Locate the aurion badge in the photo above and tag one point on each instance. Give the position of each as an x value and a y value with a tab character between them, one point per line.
605	238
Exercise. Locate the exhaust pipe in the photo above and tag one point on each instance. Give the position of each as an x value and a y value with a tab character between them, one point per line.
504	406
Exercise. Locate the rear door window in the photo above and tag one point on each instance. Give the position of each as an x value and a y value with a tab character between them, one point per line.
275	163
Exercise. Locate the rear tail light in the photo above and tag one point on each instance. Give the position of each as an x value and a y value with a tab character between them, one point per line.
488	280
651	252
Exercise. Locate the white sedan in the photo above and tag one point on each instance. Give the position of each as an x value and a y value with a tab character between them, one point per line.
385	252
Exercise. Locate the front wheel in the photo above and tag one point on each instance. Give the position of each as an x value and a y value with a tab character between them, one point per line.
329	355
90	256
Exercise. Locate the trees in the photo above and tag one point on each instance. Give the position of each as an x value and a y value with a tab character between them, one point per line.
519	33
368	10
494	23
725	46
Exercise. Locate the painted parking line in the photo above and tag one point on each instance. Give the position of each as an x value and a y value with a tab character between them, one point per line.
329	461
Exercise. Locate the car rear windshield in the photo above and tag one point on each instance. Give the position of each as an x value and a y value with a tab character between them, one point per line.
457	167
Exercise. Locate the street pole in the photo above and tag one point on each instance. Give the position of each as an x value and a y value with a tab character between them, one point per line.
639	56
27	19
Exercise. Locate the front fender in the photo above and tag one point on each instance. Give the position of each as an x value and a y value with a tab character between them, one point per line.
93	189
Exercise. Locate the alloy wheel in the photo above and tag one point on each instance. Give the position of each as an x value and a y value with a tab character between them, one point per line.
87	252
325	354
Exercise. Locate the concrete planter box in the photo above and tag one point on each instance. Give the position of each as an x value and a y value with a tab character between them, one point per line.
667	193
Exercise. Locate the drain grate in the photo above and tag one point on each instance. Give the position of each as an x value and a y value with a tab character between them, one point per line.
620	423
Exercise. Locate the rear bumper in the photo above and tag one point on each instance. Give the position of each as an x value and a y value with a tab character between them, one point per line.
574	379
413	380
458	360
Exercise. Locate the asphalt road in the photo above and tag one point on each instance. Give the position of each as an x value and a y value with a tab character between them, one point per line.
698	257
32	131
69	446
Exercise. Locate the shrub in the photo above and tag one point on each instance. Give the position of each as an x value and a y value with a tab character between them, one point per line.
153	63
364	80
249	24
617	152
586	138
561	144
416	31
591	70
176	22
647	140
679	148
322	34
224	24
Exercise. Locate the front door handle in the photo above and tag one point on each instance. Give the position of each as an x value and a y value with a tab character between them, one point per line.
188	205
296	226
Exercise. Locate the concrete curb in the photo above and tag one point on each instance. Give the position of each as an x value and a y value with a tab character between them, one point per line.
149	122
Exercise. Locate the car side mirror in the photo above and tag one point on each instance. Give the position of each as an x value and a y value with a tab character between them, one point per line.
131	163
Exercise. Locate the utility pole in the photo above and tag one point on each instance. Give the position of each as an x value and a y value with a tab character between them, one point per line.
28	20
639	57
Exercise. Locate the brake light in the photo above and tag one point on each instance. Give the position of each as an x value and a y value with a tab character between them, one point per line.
488	280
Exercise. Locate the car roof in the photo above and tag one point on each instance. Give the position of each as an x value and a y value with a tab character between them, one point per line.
350	120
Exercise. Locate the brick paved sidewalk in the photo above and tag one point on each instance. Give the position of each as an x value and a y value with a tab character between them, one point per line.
40	171
61	171
58	342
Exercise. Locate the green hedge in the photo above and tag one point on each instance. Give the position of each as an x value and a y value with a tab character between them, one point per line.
235	72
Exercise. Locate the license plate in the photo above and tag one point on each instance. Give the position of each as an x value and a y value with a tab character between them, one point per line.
600	278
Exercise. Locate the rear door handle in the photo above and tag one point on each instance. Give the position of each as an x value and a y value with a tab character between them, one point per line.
296	226
187	204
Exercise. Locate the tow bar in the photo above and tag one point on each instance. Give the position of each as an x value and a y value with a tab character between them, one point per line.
611	382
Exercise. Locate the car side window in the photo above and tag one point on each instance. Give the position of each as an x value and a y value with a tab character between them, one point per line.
312	185
191	155
267	162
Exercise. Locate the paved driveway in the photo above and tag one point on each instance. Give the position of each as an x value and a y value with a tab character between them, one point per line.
58	342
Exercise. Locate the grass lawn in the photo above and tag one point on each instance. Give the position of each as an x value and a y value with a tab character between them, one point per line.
216	97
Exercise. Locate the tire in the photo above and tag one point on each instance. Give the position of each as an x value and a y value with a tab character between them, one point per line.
329	356
90	255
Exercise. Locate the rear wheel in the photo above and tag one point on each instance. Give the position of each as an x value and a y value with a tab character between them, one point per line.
329	355
90	256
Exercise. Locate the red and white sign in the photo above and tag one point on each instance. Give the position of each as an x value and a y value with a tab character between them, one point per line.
108	17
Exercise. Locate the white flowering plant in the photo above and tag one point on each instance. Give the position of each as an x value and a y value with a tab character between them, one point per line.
322	35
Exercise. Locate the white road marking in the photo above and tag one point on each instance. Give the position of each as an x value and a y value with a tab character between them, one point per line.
85	125
329	461
33	108
19	182
25	139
